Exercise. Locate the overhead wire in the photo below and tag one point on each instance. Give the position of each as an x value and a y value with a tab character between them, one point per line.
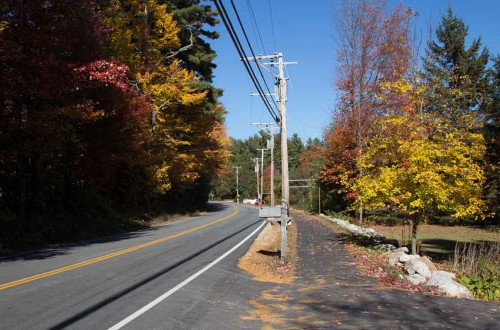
251	51
255	25
241	52
272	23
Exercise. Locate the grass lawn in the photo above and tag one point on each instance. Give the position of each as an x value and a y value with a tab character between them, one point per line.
439	241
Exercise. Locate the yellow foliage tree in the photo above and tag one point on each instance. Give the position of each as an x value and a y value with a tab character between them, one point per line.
143	33
172	92
187	134
416	163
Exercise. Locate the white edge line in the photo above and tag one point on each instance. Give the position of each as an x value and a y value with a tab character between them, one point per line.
155	302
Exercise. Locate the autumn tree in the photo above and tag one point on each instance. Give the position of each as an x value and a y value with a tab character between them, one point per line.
416	164
60	98
374	47
99	117
186	119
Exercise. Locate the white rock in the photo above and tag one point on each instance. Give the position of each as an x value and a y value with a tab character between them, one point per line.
416	279
370	231
442	273
416	265
394	258
403	248
448	286
406	257
432	268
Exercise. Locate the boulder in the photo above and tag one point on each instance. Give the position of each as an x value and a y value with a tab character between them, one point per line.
416	279
445	283
403	248
429	264
442	273
394	258
416	265
406	257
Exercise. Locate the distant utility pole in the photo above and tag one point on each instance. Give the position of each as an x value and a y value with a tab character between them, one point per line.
262	173
270	145
282	97
237	184
256	160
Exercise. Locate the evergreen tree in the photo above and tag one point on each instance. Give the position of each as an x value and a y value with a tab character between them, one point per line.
492	138
456	76
295	148
193	19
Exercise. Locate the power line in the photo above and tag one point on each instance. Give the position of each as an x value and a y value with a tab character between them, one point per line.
234	38
272	23
251	50
250	9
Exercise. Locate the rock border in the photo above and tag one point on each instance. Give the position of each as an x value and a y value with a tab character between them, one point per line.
418	270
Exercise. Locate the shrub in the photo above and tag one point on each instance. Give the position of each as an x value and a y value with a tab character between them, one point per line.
480	265
482	287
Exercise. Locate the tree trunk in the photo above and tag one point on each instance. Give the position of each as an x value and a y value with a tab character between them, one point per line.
360	220
414	225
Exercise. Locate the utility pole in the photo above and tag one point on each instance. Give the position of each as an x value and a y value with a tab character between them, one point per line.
262	173
270	145
282	98
256	160
319	199
237	184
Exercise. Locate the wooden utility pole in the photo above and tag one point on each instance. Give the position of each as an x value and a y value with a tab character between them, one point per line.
270	146
282	98
262	173
256	160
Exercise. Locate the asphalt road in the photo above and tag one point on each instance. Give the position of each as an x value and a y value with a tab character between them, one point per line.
142	279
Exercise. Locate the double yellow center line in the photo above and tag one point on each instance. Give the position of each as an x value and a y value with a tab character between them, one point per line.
109	255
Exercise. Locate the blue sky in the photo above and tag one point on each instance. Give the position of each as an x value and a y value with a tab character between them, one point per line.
303	32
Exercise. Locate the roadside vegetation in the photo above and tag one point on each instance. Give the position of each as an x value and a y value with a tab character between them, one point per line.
108	116
413	144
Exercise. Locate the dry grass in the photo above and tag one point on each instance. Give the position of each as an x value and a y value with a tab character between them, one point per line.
263	258
440	240
477	258
169	218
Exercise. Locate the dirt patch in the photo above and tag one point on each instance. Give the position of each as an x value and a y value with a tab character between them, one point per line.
263	258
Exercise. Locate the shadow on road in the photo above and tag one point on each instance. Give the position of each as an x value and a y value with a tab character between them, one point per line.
88	311
62	249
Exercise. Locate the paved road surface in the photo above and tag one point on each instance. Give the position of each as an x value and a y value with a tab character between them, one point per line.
100	283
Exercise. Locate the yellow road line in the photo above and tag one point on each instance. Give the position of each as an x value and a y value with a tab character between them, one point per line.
109	255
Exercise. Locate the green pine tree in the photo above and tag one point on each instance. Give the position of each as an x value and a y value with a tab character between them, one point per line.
492	138
456	76
194	18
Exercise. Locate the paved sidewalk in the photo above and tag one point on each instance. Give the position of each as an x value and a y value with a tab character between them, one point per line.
330	293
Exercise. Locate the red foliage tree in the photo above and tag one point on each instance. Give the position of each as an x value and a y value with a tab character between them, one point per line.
66	116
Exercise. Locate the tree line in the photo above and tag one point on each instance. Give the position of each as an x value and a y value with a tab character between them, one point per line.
107	112
242	155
